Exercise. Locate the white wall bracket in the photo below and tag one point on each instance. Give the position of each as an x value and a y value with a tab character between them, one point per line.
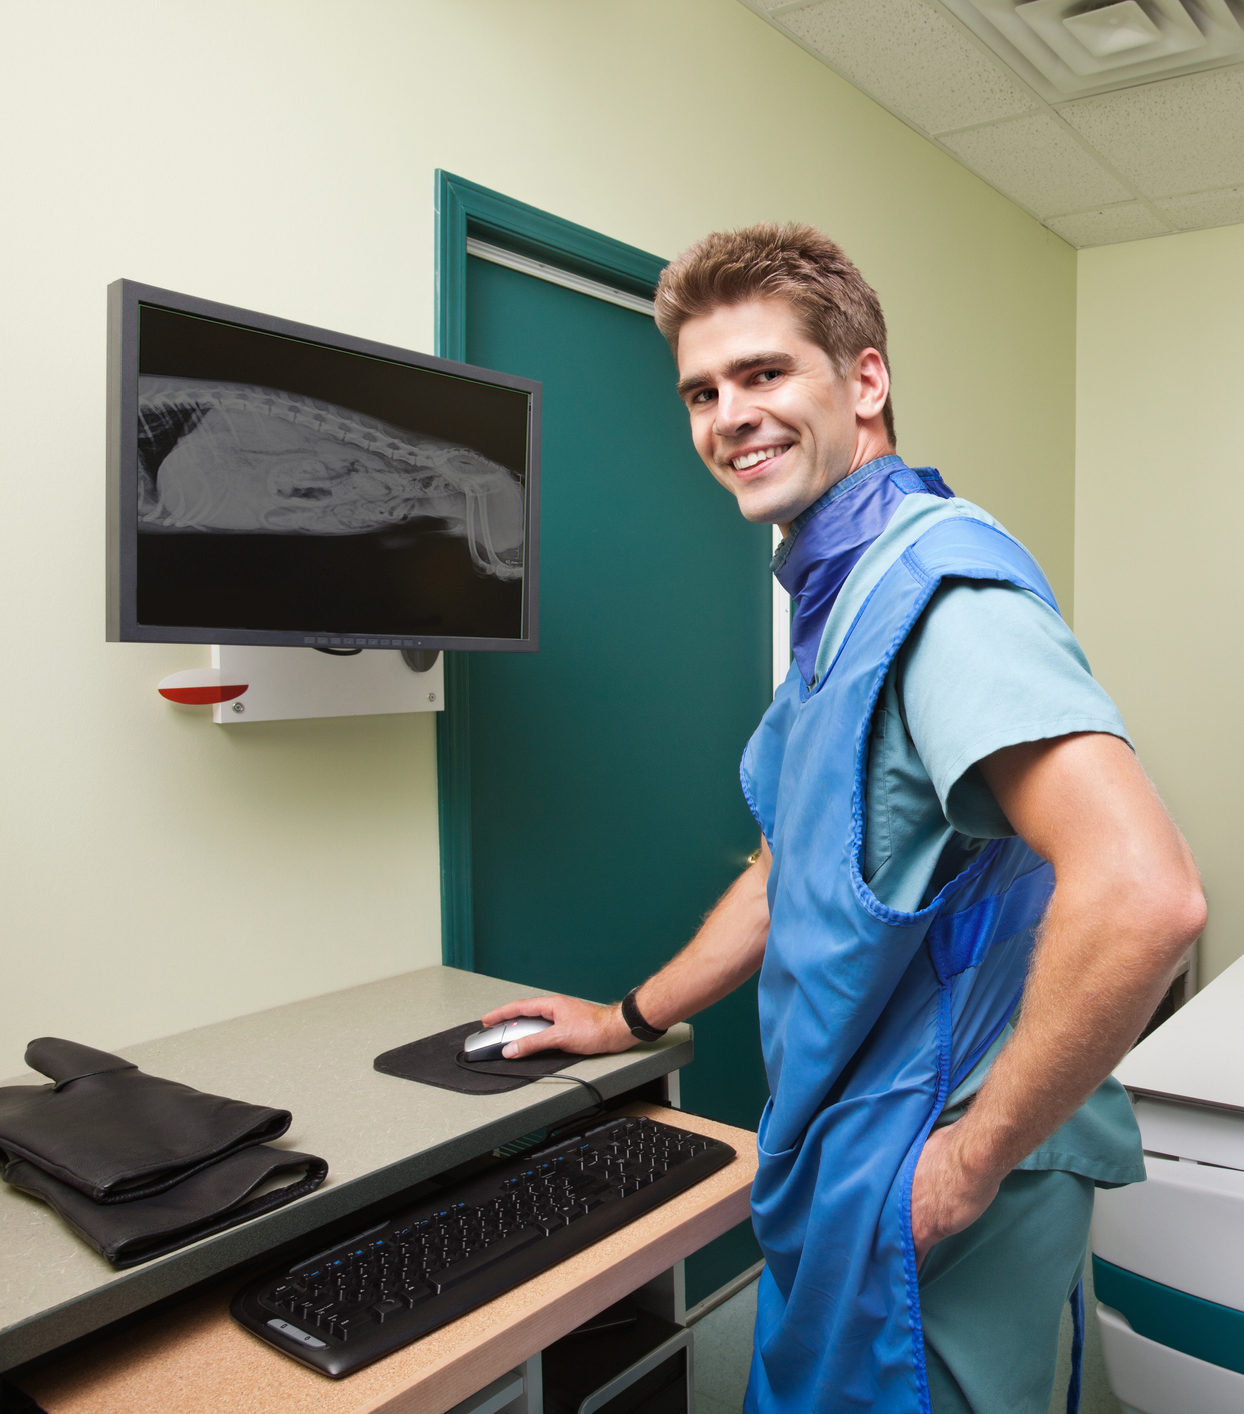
287	683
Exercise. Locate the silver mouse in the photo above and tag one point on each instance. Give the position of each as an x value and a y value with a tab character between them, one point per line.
487	1045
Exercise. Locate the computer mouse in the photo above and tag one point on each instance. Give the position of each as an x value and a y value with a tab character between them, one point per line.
488	1044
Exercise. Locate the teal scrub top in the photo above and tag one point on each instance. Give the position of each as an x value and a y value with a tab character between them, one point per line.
988	666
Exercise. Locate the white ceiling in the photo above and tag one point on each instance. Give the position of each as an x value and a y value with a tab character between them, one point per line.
1064	106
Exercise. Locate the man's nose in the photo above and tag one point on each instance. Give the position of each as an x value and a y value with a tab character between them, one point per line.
736	410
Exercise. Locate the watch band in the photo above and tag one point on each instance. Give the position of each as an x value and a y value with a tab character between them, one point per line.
634	1019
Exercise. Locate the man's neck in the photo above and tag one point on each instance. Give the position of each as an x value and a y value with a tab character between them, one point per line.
870	448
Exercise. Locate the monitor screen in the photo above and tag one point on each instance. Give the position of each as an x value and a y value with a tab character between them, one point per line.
273	483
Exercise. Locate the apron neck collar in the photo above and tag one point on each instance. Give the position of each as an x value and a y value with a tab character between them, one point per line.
826	541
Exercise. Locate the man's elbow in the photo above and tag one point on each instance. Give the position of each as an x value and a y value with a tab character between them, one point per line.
1192	917
1172	910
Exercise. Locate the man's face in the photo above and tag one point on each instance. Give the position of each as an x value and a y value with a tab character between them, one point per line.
770	417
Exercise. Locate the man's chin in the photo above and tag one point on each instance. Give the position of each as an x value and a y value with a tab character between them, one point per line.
762	511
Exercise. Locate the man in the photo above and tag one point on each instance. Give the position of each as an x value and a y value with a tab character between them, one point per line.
938	776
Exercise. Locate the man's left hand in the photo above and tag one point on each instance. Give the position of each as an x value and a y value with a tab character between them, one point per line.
944	1198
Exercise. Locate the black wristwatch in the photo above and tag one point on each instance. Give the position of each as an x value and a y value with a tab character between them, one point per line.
633	1017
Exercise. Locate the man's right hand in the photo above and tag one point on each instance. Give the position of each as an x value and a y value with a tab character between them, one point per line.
580	1028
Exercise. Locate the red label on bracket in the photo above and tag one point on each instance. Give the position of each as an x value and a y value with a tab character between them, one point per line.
199	687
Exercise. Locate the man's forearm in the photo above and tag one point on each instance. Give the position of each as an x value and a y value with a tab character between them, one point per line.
727	948
1127	905
1094	983
1067	1039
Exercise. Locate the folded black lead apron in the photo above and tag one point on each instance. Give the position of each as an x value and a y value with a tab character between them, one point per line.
137	1164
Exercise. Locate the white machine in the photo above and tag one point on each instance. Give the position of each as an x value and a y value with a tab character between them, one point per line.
1168	1254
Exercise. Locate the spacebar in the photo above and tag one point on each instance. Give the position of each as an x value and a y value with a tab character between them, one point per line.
484	1257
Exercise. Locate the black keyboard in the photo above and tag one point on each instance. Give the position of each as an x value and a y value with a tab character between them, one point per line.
431	1262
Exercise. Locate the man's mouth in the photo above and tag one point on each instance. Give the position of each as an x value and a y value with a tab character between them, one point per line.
751	459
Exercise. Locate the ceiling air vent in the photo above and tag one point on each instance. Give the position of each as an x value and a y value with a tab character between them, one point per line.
1073	48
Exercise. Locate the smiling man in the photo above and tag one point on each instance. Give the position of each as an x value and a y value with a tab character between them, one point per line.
967	901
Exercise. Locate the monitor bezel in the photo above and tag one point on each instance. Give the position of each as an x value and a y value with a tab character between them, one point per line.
125	301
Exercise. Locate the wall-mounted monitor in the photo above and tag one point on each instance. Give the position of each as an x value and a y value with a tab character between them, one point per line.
274	483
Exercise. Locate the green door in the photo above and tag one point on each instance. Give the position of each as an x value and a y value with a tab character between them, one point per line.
603	814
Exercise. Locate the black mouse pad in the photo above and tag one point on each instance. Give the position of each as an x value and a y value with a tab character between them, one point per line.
433	1060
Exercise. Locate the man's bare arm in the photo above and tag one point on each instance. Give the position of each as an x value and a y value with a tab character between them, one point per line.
1126	907
728	947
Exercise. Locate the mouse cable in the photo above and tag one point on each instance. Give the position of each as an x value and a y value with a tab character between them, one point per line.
598	1099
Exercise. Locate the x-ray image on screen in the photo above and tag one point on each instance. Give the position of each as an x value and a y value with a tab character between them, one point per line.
291	489
236	457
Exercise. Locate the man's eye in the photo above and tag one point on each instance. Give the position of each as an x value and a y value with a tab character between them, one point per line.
768	375
700	397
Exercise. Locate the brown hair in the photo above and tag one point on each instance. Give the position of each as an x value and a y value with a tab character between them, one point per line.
838	309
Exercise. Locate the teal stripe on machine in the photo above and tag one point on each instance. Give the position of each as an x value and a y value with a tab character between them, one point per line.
1200	1328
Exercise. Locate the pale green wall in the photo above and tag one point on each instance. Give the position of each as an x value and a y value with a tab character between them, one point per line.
160	872
1159	505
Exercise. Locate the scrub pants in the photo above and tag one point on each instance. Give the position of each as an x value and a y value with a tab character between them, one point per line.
992	1296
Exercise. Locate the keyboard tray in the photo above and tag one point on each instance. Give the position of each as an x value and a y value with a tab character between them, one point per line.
341	1308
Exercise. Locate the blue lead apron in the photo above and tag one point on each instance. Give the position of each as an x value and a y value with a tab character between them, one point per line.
869	1016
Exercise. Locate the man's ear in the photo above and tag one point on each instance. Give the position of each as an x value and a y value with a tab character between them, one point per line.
873	382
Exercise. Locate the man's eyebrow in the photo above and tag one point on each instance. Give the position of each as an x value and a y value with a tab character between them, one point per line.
772	358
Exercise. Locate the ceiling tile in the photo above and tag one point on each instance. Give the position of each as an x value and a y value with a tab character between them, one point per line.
913	60
1183	135
1204	209
1108	225
1158	157
1038	163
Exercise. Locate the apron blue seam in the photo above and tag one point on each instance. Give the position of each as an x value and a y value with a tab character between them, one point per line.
883	913
872	904
911	1274
1077	1348
929	584
745	783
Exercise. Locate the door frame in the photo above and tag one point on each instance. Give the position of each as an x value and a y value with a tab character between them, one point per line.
466	211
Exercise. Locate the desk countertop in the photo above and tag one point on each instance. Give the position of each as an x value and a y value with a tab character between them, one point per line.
379	1135
1194	1057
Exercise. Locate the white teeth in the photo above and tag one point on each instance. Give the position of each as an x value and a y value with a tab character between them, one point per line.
742	463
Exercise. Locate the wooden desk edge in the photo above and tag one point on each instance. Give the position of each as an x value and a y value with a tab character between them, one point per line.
195	1358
